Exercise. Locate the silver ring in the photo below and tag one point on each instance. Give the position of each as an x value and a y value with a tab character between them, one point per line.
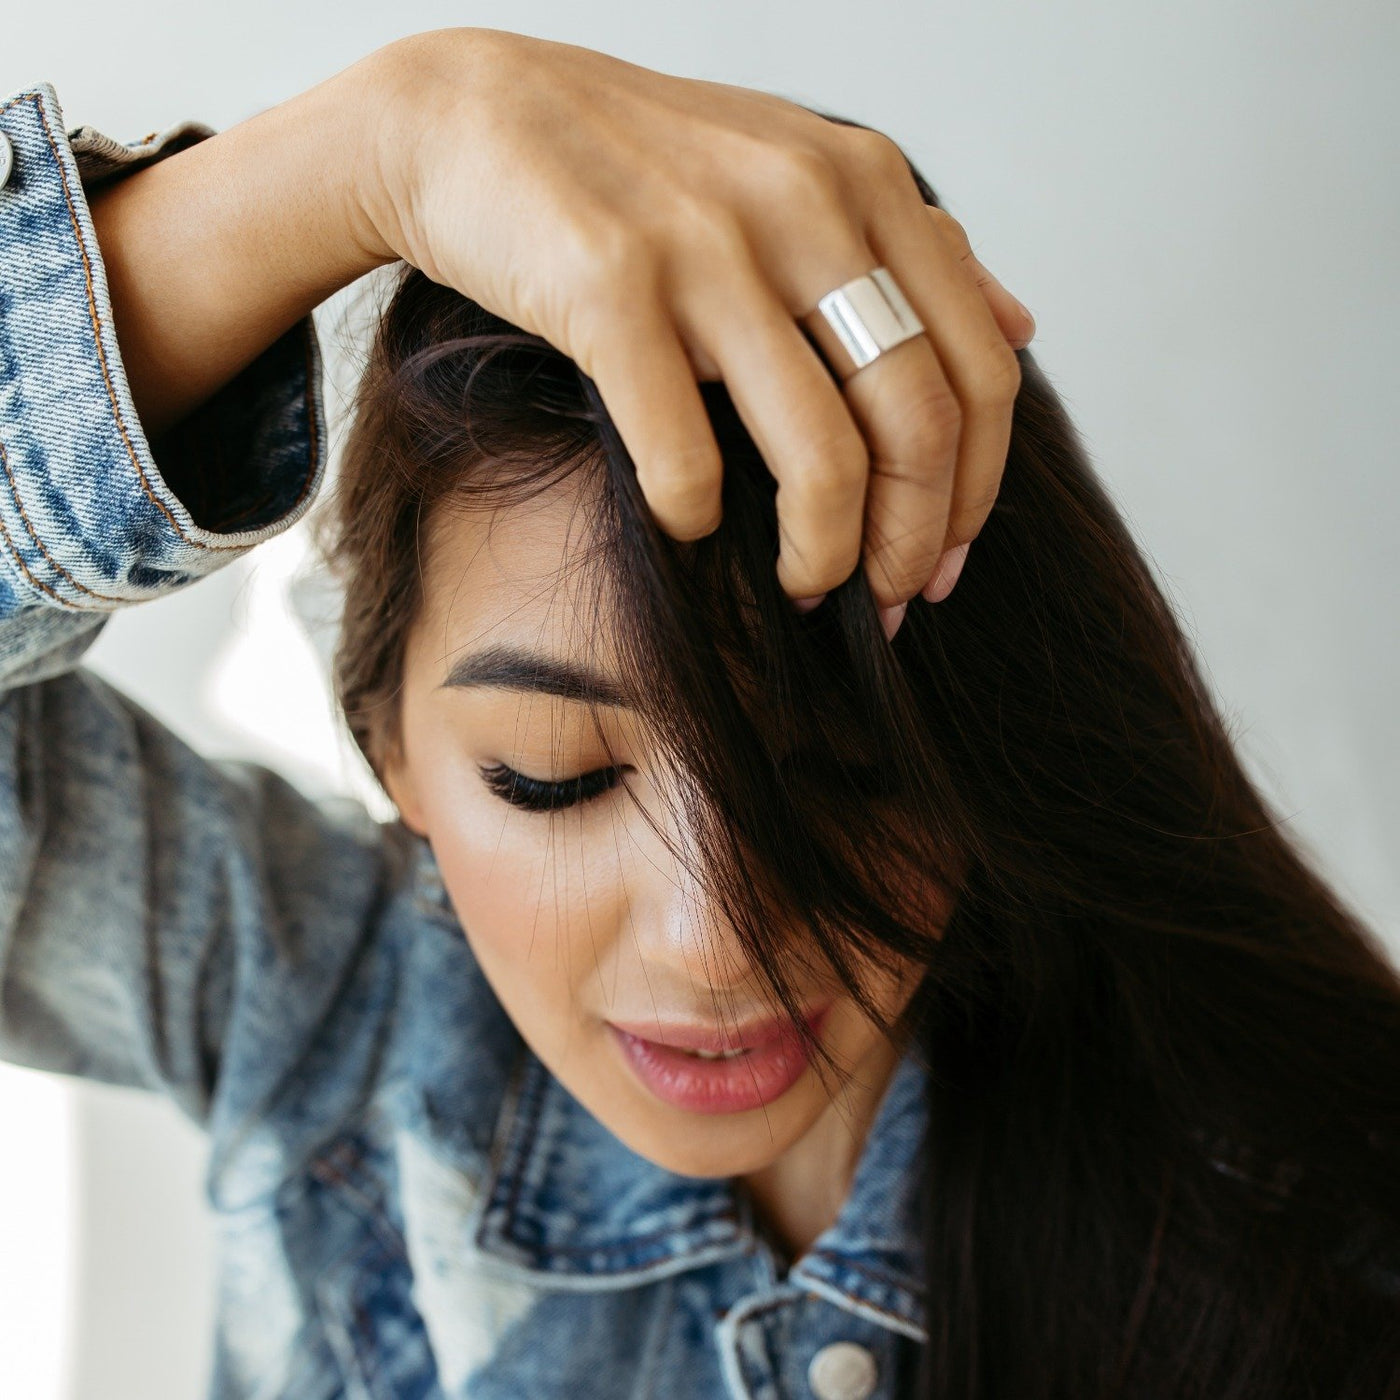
860	320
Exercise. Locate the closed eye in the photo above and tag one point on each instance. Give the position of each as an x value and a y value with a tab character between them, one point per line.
536	795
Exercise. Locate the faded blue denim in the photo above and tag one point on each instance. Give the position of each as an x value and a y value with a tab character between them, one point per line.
407	1203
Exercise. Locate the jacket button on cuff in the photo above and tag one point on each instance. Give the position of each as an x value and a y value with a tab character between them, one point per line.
842	1371
7	160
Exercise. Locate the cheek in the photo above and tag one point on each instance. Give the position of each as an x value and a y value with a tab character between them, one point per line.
542	903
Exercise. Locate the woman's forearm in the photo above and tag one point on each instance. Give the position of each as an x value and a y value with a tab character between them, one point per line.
213	253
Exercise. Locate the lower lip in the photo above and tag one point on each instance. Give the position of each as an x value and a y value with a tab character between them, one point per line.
752	1080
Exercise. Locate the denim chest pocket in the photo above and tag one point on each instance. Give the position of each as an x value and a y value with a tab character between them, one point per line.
374	1329
365	1293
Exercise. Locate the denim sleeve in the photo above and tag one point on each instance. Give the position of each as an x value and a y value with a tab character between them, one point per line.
160	914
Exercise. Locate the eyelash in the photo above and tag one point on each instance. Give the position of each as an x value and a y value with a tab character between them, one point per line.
535	795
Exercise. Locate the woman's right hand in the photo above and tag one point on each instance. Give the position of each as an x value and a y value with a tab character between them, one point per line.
657	229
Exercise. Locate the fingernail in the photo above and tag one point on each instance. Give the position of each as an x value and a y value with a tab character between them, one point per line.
891	617
946	575
805	605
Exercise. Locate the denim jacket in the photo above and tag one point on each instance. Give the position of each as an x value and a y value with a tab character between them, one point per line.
407	1203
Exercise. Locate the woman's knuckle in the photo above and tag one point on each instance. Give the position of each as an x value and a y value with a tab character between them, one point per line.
900	571
997	380
683	488
611	259
713	229
949	228
829	562
931	422
691	520
802	176
897	565
683	476
836	467
878	155
842	567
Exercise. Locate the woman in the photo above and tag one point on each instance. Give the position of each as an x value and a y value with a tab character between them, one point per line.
752	999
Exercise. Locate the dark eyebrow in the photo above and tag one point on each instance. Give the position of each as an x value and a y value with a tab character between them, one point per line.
511	668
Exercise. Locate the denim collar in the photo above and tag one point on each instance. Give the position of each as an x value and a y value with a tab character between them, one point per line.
566	1199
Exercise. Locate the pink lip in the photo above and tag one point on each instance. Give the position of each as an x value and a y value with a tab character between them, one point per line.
773	1063
691	1037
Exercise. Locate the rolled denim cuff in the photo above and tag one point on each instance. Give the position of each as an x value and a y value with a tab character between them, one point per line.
88	519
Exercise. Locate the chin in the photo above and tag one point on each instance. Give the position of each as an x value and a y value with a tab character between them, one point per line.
707	1159
712	1145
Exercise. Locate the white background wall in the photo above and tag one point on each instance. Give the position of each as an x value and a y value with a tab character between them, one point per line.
1199	203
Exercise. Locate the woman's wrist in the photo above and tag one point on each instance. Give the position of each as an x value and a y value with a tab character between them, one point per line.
215	252
416	100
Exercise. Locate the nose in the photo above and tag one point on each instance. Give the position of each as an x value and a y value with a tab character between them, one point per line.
682	931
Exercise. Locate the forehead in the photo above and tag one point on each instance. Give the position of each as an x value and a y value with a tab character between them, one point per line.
524	573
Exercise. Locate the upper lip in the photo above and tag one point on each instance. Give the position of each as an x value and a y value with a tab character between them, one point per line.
692	1036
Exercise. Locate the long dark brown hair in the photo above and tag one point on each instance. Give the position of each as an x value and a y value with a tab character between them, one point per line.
1163	1155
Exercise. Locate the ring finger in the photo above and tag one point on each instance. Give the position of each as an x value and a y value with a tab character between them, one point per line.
903	408
928	253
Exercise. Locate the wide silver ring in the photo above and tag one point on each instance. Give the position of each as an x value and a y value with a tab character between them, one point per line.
859	321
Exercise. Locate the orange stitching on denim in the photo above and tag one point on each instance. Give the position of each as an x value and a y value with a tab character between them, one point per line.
24	569
33	535
314	445
97	328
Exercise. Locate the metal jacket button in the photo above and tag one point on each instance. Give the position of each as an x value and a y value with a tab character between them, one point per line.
842	1371
7	160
